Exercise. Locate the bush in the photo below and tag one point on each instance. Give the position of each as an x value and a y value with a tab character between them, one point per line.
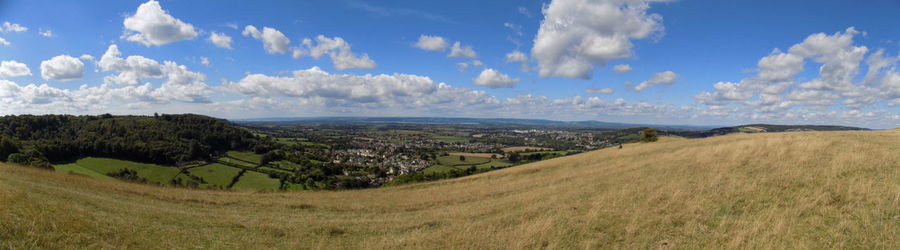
649	135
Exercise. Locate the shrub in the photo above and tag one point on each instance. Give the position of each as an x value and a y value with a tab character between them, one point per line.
649	135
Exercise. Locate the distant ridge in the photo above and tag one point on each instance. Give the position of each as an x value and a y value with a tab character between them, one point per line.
465	120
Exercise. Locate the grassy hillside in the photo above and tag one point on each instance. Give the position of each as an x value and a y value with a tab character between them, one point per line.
767	190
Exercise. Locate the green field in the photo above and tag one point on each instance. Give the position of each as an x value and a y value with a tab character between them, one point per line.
245	156
215	175
454	161
256	181
437	169
230	160
275	170
151	172
496	163
78	169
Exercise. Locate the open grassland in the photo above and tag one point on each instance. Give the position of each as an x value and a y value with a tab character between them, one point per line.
808	190
103	166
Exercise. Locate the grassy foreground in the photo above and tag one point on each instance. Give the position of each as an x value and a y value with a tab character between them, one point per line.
778	190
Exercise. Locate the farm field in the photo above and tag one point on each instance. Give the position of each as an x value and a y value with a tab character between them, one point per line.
523	149
477	155
245	156
814	190
74	168
252	181
151	172
215	175
453	160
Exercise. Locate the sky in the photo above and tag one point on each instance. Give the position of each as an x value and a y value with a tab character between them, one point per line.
689	62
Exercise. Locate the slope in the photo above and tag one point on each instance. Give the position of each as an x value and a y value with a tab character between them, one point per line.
768	190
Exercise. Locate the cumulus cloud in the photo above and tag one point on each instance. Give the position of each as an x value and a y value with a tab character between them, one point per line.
62	68
575	35
516	56
342	57
606	91
431	43
4	42
13	69
205	61
774	94
152	26
13	27
622	68
493	79
459	51
273	40
667	77
365	91
221	40
132	70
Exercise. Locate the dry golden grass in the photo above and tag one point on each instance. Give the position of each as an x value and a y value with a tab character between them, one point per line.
781	190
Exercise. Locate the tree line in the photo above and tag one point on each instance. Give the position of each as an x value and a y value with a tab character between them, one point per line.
39	140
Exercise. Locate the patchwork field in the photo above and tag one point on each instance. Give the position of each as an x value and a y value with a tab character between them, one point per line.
796	190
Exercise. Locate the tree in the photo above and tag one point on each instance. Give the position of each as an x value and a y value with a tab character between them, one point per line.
462	158
649	135
8	146
514	157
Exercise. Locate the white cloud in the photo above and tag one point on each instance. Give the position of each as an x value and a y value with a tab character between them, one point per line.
779	66
132	70
318	87
622	68
46	33
667	77
4	42
477	63
86	57
575	35
606	91
459	51
493	79
431	43
461	67
152	26
205	61
13	69
62	68
13	27
516	56
221	40
273	40
342	57
876	62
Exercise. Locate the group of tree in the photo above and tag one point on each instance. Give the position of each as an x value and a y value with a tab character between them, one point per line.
161	139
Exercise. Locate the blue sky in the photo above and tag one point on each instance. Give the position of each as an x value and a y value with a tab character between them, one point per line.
689	62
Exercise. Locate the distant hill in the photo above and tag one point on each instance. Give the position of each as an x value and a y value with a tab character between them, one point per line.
163	139
463	120
763	128
816	190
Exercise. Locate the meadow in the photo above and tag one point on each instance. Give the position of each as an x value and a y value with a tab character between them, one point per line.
99	167
807	190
